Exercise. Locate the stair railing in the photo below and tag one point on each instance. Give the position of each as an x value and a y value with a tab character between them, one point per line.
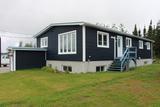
127	56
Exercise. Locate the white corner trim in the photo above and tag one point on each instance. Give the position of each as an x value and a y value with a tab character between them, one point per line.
14	58
84	43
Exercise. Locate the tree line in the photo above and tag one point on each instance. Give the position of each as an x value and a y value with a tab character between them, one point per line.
150	32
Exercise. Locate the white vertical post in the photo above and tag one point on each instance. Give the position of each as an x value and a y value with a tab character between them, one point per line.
83	43
14	61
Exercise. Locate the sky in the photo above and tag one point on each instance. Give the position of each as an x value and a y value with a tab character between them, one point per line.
31	16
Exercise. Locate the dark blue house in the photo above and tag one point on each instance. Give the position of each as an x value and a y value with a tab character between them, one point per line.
85	47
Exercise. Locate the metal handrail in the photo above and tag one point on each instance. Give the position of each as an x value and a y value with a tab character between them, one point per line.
126	56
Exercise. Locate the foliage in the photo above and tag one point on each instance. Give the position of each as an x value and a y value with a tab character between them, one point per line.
122	28
152	33
144	32
139	33
135	32
36	88
20	44
28	45
48	69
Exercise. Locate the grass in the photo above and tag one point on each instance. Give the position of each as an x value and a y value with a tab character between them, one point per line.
36	88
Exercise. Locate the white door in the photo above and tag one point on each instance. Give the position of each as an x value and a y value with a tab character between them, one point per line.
119	46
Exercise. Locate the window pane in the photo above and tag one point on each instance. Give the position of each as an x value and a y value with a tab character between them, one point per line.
99	39
105	40
65	43
65	68
97	69
73	42
126	42
69	68
61	43
118	42
102	68
69	42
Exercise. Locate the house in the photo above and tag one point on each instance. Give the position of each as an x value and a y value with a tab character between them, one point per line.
84	47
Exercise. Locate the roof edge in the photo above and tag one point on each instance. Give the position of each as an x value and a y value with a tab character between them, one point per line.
90	25
26	48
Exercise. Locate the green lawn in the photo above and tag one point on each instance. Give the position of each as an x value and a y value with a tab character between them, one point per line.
36	88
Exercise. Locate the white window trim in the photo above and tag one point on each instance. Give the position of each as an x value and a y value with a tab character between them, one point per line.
63	53
148	45
140	47
130	40
103	33
42	40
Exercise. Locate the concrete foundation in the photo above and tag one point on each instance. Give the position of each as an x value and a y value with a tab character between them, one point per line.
79	67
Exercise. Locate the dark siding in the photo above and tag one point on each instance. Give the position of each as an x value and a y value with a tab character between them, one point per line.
52	35
95	52
30	59
141	53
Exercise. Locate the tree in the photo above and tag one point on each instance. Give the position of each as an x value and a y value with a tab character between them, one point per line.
139	33
135	32
28	45
114	27
156	45
20	44
150	31
144	32
122	28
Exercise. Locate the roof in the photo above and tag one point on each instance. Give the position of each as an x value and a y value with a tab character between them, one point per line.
90	25
27	49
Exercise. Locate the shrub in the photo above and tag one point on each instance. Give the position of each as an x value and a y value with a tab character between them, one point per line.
48	69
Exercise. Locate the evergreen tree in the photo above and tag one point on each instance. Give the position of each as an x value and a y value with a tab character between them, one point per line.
156	45
144	32
150	31
139	33
135	32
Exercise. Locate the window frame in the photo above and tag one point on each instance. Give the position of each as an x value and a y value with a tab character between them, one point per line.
42	42
73	35
100	68
129	44
107	37
68	68
148	45
141	46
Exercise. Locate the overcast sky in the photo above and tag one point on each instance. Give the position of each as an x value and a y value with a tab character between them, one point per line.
30	16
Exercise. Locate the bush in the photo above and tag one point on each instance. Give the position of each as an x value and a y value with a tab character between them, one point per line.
48	69
156	61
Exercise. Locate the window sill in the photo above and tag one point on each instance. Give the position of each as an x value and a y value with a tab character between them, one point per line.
67	53
103	46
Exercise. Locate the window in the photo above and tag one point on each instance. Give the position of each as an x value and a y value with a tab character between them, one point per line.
67	68
102	39
100	68
148	45
128	42
140	44
67	43
44	42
